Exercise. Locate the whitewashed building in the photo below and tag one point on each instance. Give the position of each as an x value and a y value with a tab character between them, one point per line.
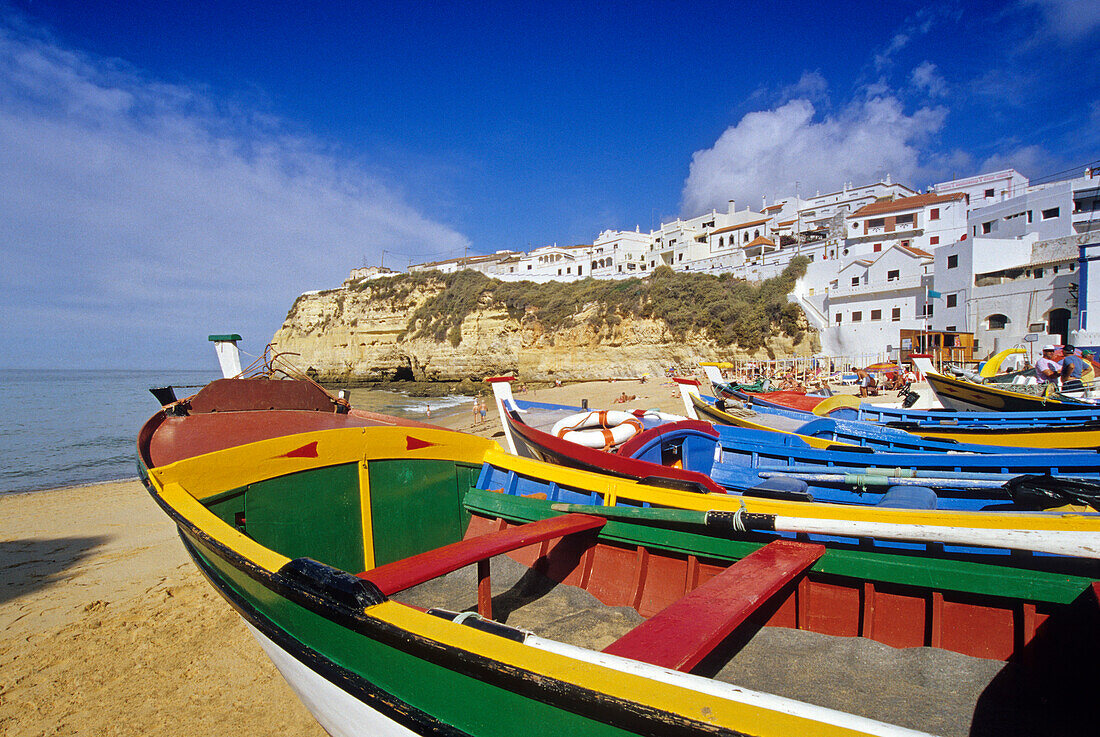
985	189
923	221
620	254
1002	290
871	300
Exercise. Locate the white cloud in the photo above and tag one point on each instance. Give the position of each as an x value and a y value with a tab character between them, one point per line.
766	152
925	76
1066	20
133	199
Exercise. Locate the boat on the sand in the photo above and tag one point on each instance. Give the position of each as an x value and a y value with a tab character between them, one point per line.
316	524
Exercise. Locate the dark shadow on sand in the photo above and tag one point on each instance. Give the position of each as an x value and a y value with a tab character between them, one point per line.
31	564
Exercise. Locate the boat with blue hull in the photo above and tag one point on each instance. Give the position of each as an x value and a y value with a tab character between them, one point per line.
759	463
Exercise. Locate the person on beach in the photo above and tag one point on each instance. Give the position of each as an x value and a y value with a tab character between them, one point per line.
867	386
481	408
1073	370
1047	370
477	409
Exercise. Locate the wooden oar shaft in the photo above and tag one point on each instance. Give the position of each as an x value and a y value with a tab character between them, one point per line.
869	480
1082	544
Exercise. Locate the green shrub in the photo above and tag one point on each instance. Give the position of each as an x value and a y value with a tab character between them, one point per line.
728	310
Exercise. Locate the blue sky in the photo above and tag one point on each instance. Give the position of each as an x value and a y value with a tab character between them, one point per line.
178	169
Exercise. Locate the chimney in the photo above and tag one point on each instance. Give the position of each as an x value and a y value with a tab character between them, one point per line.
732	207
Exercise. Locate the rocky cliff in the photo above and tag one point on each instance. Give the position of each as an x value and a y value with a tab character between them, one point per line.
366	333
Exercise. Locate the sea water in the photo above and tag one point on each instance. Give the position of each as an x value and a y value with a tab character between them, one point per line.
69	428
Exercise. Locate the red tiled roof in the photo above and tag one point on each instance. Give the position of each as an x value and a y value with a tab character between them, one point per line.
738	227
761	241
905	203
916	251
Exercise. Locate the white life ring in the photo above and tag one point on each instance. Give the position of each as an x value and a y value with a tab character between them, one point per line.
598	429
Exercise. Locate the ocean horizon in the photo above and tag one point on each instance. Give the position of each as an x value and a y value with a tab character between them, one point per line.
74	427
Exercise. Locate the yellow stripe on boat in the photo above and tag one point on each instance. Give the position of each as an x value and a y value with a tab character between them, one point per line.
187	506
616	684
625	489
213	473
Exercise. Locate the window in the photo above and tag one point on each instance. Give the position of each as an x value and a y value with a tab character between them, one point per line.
876	314
1051	213
877	248
905	244
838	316
679	257
720	242
855	281
952	300
1038	273
953	261
988	193
528	267
1029	216
857	316
895	314
928	309
987	227
997	322
893	275
950	328
934	240
934	213
559	272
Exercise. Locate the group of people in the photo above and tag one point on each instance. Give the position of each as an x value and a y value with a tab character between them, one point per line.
1069	373
479	410
894	381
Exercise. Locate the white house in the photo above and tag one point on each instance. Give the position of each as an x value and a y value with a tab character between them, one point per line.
872	299
924	221
1004	289
620	253
985	189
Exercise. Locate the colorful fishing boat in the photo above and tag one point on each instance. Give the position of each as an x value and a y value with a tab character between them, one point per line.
315	524
895	436
962	395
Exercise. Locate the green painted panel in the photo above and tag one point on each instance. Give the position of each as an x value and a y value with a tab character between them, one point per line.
227	505
313	513
468	703
416	505
938	573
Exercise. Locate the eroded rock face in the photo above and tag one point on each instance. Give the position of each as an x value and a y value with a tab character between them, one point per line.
347	334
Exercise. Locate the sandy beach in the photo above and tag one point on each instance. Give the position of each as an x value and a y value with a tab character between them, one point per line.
107	628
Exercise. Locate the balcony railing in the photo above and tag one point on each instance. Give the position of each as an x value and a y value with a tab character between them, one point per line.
904	283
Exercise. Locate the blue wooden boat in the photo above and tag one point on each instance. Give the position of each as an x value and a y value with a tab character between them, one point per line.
758	463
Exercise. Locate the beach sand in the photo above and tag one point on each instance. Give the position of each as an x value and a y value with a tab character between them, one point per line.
107	628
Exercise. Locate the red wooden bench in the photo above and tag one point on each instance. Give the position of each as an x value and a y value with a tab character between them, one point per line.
685	632
408	572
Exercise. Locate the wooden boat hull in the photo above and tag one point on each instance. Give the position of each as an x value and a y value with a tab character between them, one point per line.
963	438
390	502
966	396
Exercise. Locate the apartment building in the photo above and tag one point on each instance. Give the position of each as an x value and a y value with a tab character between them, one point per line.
871	300
924	222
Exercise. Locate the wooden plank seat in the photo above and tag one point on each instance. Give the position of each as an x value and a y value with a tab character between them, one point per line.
399	575
683	633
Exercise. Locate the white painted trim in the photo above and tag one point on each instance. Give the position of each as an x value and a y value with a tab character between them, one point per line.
338	712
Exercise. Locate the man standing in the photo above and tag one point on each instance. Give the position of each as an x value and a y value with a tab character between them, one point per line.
1047	370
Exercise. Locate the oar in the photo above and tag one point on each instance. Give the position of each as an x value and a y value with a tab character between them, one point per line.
870	480
1070	542
893	472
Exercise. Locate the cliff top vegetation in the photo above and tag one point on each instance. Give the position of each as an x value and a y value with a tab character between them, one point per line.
728	310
